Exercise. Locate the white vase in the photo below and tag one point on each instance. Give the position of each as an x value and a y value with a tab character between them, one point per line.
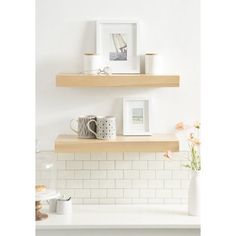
194	194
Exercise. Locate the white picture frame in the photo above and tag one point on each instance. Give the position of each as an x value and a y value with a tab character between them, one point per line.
117	42
137	116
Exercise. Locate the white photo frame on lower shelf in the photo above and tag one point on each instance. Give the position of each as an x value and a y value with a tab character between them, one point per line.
137	116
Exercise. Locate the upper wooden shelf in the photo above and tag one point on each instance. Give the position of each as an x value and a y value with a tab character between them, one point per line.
155	143
117	80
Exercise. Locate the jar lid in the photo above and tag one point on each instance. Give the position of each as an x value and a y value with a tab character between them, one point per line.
91	54
150	54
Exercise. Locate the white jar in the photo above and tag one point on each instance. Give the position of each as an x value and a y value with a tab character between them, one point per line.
64	207
152	63
91	63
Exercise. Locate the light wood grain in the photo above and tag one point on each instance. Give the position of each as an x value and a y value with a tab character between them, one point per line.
155	143
117	80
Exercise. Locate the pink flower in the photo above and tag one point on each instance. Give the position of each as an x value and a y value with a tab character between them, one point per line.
179	126
194	140
168	154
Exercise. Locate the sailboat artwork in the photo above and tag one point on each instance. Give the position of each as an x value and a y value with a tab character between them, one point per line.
119	48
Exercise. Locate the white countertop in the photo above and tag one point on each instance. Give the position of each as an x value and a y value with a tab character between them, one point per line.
122	217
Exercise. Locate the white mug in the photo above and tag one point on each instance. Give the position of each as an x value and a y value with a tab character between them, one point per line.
105	126
64	207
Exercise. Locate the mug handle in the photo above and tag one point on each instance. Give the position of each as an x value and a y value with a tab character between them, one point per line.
90	128
71	122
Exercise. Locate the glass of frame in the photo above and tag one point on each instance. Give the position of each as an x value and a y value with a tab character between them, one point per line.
136	116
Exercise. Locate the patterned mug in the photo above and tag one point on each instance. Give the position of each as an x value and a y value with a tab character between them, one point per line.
105	125
82	130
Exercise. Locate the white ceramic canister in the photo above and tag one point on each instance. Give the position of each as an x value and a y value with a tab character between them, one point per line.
91	63
152	63
64	207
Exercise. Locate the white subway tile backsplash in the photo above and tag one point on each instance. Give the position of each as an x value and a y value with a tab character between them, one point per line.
180	174
147	156
90	165
115	156
184	200
160	156
82	174
163	174
185	184
163	193
74	183
106	165
98	174
98	156
123	165
147	193
140	201
115	174
140	183
156	183
172	184
65	174
158	165
65	156
131	193
140	165
115	193
107	183
180	156
61	183
98	193
91	201
83	156
106	201
131	156
156	200
61	165
180	193
121	178
147	174
131	174
82	193
91	183
172	200
123	183
77	201
74	165
172	165
123	201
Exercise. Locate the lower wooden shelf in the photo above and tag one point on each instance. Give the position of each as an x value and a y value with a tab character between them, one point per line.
155	143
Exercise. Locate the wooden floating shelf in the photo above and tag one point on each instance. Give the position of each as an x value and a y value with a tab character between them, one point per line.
117	80
155	143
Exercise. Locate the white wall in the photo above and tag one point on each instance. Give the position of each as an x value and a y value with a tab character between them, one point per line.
66	30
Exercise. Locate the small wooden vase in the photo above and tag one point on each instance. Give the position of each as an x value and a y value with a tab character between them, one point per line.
38	214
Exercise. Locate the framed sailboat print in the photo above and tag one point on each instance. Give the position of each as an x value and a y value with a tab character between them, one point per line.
117	42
